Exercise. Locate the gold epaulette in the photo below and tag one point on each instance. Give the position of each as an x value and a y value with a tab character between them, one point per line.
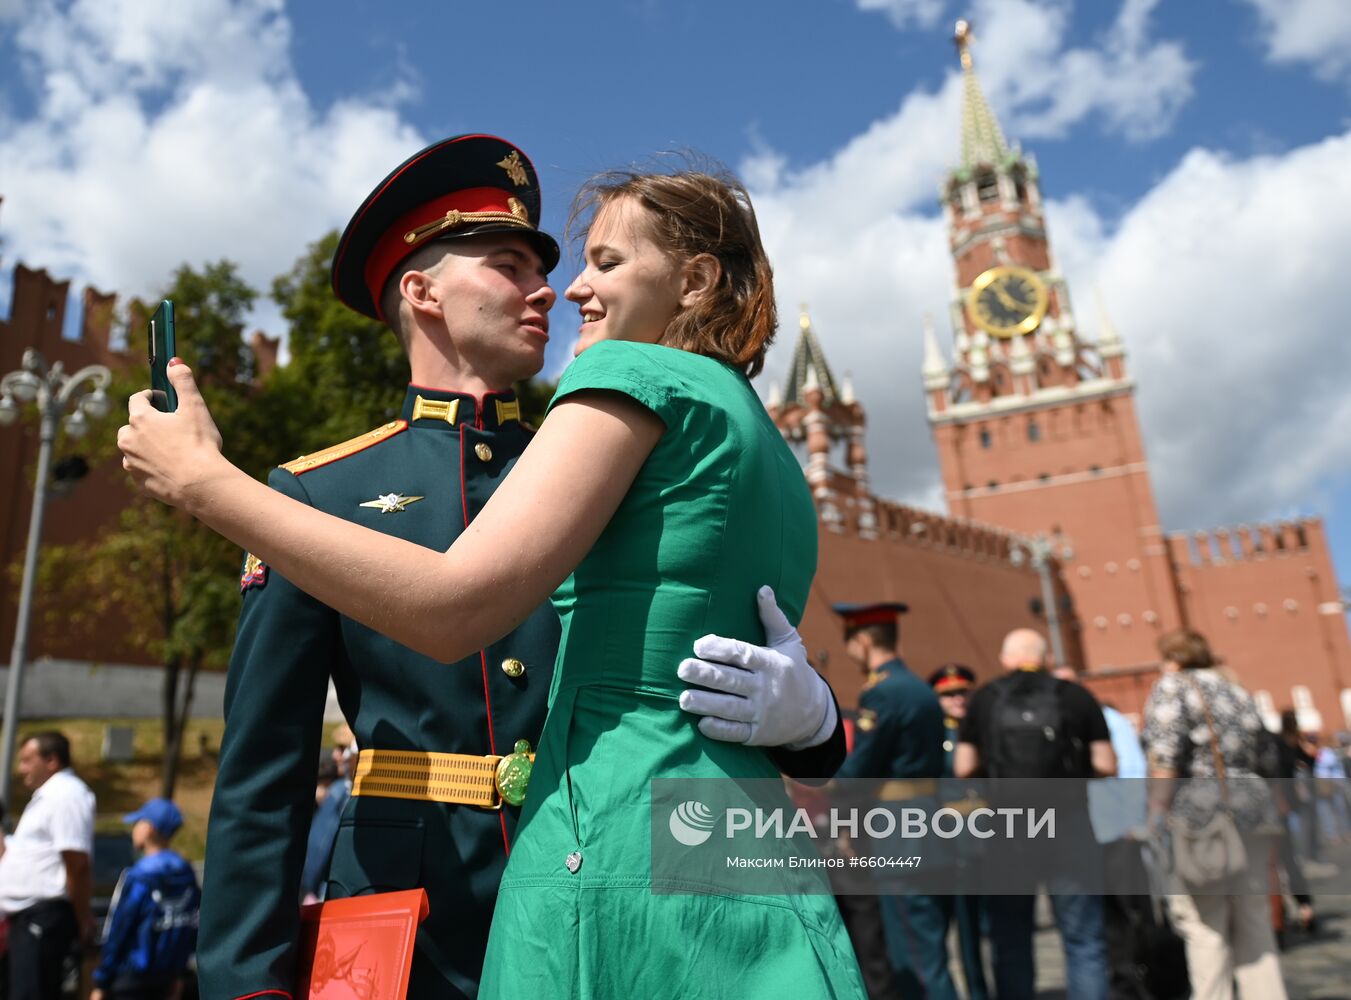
359	443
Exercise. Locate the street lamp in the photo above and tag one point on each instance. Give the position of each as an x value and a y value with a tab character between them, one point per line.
53	391
1040	551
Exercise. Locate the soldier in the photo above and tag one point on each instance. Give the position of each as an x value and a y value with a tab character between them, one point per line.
427	808
900	740
952	683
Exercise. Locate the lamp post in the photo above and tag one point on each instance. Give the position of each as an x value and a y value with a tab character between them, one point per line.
1040	551
52	390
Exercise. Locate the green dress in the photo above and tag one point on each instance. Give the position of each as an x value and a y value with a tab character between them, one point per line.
719	509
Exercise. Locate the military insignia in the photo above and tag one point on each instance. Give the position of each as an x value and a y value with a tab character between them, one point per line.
391	503
515	168
436	409
360	443
518	209
513	774
254	573
867	719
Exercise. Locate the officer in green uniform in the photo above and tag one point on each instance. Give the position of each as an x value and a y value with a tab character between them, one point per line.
899	740
952	683
444	748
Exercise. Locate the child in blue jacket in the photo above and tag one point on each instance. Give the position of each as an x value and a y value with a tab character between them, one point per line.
151	931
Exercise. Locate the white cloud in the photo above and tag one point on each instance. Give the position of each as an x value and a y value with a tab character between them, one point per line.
1221	281
1308	31
1129	83
903	13
1224	283
176	130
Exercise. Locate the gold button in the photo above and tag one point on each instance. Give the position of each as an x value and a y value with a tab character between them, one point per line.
513	667
484	453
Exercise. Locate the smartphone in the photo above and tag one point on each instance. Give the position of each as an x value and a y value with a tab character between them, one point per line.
162	348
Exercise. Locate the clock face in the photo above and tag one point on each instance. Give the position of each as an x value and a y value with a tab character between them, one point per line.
1007	301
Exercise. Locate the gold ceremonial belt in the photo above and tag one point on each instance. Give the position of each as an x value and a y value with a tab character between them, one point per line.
900	789
454	778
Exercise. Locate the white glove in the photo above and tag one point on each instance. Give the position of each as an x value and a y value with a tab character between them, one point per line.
764	696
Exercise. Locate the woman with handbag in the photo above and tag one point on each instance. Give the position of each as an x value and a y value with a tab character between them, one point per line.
1203	737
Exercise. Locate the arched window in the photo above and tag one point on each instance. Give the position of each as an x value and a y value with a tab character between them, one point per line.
985	440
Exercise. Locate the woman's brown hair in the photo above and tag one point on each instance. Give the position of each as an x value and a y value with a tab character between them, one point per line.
694	212
1187	648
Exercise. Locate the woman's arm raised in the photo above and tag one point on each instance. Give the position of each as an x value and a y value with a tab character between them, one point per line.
534	531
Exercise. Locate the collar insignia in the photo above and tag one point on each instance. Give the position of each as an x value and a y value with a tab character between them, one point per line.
391	503
515	168
436	409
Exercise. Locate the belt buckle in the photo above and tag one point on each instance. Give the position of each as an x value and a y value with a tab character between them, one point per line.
511	775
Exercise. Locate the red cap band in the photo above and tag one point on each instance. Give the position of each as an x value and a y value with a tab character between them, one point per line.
391	248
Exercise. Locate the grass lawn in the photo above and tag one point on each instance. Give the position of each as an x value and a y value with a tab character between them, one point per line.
122	787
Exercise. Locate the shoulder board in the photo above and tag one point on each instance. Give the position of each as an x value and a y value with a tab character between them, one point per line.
361	442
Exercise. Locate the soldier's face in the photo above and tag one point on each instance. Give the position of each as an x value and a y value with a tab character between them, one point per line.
858	646
954	705
629	288
495	298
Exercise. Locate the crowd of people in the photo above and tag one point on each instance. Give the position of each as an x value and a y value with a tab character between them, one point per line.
1203	770
526	628
149	934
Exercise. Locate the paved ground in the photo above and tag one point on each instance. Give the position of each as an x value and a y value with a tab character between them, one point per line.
1316	967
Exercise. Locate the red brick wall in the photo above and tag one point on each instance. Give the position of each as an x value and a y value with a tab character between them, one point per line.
1272	613
964	595
36	316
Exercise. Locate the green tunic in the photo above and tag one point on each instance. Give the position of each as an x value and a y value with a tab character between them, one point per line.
719	509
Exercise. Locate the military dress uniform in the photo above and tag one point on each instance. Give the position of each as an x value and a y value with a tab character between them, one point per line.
900	741
444	747
421	478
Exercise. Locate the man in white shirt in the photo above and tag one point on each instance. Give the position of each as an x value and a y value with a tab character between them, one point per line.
45	872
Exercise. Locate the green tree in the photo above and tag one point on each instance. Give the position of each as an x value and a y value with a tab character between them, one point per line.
169	580
345	373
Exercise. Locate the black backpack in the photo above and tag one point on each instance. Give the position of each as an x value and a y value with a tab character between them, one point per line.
1028	737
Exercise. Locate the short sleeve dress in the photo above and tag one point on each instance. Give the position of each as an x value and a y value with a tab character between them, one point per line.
719	509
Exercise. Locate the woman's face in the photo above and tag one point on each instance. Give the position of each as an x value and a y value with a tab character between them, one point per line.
629	288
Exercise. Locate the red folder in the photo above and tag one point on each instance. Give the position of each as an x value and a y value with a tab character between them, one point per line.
359	948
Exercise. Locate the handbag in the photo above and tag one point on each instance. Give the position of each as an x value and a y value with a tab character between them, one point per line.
1214	852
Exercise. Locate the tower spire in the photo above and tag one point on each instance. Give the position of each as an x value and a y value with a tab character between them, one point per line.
982	138
809	359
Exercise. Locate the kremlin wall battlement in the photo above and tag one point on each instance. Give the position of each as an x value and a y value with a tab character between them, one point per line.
1037	439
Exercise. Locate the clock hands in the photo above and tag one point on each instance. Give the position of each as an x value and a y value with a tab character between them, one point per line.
1001	291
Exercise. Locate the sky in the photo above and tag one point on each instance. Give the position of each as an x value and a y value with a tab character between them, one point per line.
1195	159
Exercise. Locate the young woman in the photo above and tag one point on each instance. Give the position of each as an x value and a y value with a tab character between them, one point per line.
657	495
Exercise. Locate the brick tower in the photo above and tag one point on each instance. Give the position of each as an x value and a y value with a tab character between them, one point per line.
818	415
1035	426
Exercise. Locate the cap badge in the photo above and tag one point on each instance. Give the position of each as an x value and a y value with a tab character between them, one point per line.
519	210
391	503
515	168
